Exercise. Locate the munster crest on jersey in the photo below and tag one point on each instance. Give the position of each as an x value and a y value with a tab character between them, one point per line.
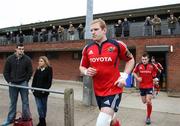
111	49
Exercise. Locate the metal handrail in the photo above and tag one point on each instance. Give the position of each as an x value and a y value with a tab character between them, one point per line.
32	88
68	101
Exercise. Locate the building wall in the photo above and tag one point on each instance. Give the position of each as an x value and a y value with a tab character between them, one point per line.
66	68
173	58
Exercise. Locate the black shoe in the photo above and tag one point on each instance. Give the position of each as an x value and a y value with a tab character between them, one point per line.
148	121
42	122
39	124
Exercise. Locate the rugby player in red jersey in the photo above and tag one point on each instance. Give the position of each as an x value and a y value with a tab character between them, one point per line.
157	75
100	60
144	74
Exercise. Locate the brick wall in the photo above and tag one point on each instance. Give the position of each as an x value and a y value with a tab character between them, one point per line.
173	58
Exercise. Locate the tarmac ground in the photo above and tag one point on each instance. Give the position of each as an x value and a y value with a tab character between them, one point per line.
166	110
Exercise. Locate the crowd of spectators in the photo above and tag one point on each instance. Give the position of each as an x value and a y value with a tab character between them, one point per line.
54	33
152	26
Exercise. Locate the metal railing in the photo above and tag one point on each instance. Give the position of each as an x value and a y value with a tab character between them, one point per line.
137	29
68	101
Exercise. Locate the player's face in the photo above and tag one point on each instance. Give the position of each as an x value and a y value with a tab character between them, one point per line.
145	60
152	60
98	34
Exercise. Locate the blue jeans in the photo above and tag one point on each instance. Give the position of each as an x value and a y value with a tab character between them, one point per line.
41	103
13	95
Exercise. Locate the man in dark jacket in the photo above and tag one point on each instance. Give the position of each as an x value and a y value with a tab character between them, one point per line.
118	28
18	71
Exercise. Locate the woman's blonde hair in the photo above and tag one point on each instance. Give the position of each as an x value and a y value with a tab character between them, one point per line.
101	23
46	61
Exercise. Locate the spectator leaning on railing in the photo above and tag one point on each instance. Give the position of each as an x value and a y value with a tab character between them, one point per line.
148	26
118	29
43	35
54	33
61	33
172	20
21	37
126	27
35	35
156	25
81	31
71	31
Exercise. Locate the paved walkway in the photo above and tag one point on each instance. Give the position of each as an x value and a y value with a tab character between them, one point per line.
166	110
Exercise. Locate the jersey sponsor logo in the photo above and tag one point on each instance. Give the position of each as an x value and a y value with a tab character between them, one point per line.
101	59
107	102
90	52
111	49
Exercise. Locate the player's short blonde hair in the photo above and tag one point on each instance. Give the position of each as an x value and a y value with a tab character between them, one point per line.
101	23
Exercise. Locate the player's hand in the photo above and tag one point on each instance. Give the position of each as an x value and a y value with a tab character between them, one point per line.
139	79
90	71
156	81
121	82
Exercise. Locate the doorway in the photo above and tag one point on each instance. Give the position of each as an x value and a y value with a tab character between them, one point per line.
161	58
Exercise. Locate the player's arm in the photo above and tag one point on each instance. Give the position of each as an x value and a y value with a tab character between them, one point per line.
160	67
157	67
139	79
135	74
127	56
129	59
129	65
128	68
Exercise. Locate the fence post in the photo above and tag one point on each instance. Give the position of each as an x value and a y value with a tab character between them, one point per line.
69	107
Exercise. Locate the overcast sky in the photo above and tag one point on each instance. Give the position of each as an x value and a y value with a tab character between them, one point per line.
17	12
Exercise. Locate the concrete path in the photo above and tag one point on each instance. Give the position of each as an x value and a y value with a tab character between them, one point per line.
166	110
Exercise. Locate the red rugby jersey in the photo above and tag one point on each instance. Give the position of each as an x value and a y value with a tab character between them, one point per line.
159	66
146	72
105	59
